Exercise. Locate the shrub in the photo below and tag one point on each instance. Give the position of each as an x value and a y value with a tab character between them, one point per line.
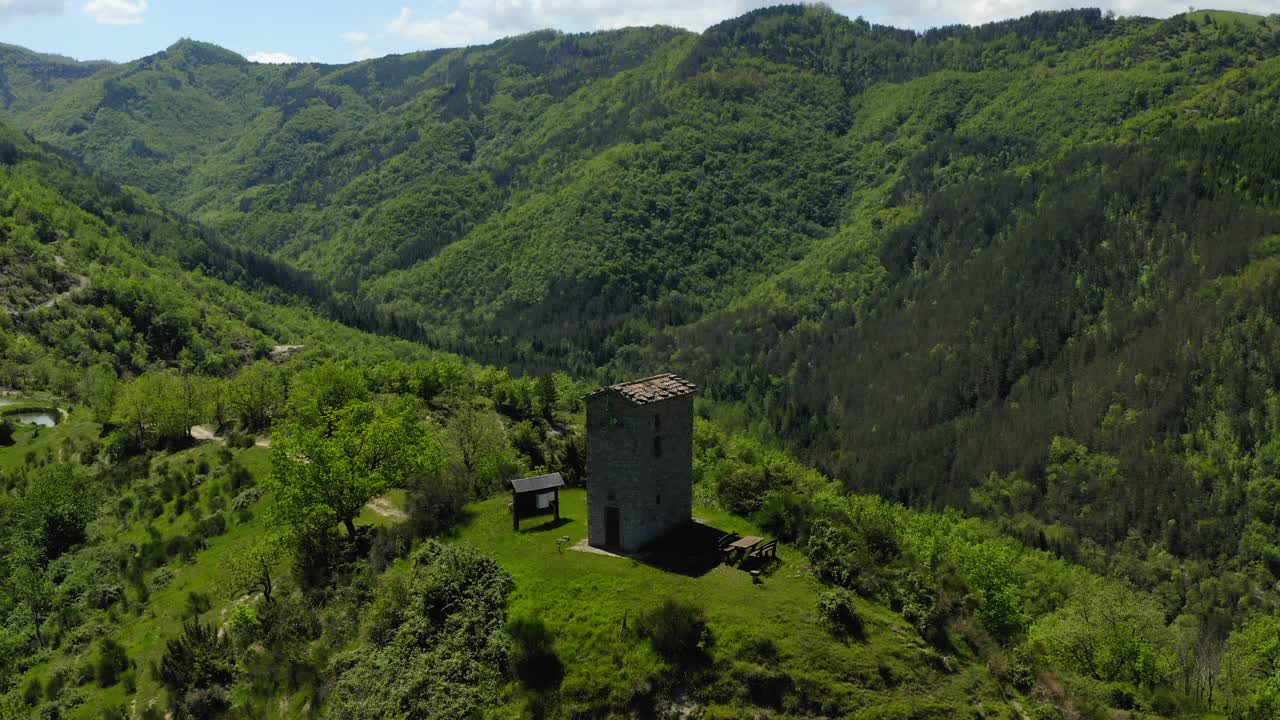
197	604
246	498
836	607
104	596
783	514
160	578
240	440
389	545
211	527
766	686
839	556
32	692
116	712
678	632
111	661
196	660
206	703
741	489
238	476
53	686
762	650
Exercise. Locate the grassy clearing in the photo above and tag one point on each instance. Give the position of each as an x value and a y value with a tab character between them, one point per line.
144	633
766	630
1219	16
583	598
33	442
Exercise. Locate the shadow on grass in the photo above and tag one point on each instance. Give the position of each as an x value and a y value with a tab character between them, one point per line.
693	550
464	519
766	565
544	526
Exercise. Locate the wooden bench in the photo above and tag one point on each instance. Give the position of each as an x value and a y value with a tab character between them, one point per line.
769	549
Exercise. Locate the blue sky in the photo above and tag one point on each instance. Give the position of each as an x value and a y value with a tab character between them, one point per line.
345	30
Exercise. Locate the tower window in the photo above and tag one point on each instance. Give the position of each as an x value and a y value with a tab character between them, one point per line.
657	421
659	498
657	446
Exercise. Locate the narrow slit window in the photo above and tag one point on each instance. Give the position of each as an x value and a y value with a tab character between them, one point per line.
657	446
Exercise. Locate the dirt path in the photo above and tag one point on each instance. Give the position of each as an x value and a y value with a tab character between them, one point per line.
206	433
82	282
384	507
280	353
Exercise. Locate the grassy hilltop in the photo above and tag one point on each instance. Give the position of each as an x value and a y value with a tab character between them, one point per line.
985	321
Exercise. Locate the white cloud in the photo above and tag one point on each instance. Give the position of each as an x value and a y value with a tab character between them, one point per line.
470	22
456	28
116	12
479	21
356	37
923	14
14	9
272	58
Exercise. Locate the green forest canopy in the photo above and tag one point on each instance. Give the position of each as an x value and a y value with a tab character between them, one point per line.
1026	270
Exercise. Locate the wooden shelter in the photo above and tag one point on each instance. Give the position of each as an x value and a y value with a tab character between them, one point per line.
533	496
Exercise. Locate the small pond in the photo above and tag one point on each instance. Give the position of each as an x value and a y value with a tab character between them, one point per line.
41	418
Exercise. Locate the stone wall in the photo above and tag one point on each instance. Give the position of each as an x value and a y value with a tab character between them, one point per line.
652	491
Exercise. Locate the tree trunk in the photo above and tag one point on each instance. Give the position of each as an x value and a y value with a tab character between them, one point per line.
266	582
350	523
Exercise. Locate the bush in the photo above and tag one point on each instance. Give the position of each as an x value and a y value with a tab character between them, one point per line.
534	660
238	476
111	661
246	498
53	686
678	632
206	703
32	692
389	545
783	514
766	686
197	604
196	660
240	440
211	527
117	712
836	607
741	489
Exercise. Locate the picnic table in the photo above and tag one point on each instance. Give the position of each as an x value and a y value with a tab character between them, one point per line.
739	548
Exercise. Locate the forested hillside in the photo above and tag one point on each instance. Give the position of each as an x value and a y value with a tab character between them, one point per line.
1029	271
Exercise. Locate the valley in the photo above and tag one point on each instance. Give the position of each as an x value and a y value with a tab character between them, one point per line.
983	320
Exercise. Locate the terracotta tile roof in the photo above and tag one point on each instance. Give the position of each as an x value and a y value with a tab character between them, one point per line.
652	389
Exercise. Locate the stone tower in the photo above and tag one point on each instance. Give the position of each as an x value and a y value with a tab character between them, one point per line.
639	461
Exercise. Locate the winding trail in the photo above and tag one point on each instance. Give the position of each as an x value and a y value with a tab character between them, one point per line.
384	507
82	282
207	433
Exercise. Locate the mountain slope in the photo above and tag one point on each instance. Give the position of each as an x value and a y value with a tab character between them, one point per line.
1022	268
81	284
